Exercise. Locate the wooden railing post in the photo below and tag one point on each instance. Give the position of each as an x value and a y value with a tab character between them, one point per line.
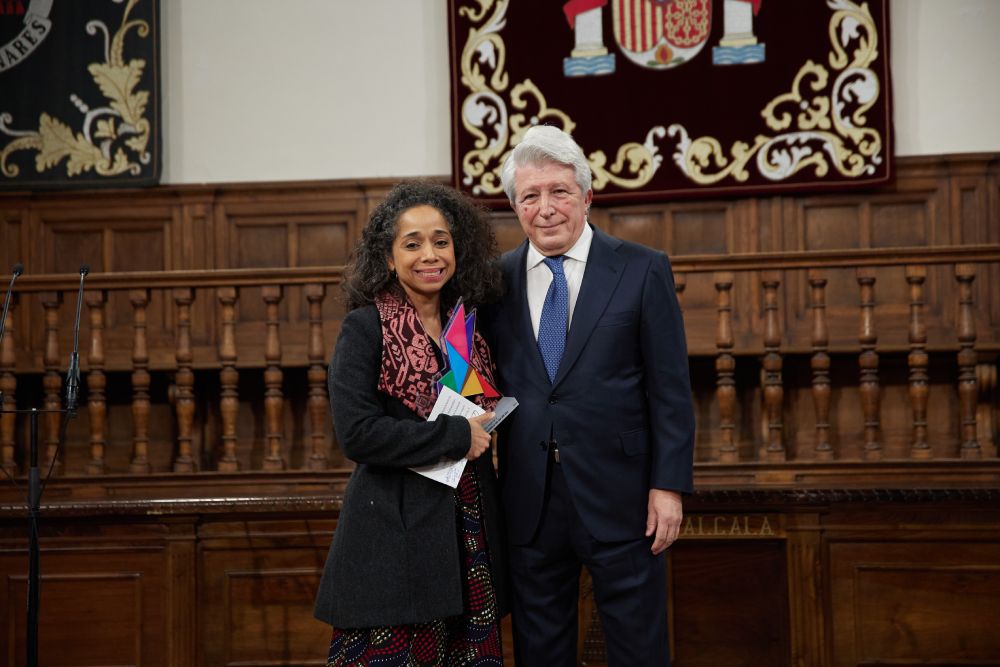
968	392
680	284
140	384
96	382
273	396
8	385
318	401
868	363
917	362
773	390
820	364
52	381
184	381
986	381
229	403
725	368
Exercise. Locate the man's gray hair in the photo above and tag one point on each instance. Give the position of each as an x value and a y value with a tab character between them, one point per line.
541	144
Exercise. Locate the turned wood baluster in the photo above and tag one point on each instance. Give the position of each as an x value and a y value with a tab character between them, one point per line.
986	380
820	364
184	381
680	283
318	402
725	367
229	404
140	383
52	381
868	363
96	382
8	385
917	362
967	388
773	391
273	397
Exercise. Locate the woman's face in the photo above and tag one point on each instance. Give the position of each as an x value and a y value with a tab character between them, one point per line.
423	252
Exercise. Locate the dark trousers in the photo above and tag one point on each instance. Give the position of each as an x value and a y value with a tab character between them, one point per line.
630	588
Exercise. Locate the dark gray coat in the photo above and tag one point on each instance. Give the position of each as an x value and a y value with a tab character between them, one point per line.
395	556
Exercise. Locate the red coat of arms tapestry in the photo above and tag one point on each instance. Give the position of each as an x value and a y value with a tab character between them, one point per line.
676	97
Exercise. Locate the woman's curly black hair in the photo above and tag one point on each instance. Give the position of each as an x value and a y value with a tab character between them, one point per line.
477	276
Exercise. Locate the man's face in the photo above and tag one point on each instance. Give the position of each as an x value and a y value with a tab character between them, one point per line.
550	206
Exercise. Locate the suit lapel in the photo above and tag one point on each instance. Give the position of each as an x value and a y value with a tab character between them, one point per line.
600	278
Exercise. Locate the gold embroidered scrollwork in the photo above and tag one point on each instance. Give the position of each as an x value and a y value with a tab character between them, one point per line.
107	131
487	115
821	120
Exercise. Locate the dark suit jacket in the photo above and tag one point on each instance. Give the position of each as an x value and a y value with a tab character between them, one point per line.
395	556
620	407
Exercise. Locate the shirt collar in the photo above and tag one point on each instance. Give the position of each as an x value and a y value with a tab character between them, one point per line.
579	251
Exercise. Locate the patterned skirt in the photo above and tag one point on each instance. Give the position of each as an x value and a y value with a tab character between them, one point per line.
469	640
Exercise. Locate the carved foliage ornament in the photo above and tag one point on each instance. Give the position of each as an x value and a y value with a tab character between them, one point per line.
110	139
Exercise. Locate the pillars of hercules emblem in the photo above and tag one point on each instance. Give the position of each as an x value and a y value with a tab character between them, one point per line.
589	55
738	45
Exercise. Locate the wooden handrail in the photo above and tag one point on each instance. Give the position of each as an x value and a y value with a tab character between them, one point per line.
126	280
762	261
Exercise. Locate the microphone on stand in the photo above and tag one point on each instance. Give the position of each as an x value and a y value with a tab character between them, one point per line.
73	374
18	270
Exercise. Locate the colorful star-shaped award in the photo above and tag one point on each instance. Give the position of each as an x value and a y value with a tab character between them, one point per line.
456	344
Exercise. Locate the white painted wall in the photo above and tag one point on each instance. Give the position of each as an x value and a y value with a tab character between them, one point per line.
258	90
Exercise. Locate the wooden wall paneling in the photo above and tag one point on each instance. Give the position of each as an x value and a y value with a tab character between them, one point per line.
104	595
257	583
728	609
645	225
807	599
970	209
118	237
183	614
508	229
286	234
12	230
915	601
196	249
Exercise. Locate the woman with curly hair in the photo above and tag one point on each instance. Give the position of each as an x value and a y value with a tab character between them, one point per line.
414	575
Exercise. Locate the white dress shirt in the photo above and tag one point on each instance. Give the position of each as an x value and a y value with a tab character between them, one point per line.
540	277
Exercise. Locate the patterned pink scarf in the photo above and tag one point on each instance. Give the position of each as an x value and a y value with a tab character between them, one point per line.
410	368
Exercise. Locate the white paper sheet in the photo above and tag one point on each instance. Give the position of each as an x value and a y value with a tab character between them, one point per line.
450	402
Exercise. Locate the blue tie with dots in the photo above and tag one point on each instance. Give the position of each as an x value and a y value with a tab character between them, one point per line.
555	317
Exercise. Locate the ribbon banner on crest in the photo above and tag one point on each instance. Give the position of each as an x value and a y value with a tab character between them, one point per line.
672	98
79	93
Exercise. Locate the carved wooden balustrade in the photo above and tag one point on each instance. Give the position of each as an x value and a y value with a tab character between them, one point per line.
224	371
854	399
182	404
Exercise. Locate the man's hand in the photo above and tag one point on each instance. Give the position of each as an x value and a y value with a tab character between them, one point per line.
663	518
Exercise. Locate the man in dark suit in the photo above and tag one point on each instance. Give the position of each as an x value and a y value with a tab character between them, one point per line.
589	339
